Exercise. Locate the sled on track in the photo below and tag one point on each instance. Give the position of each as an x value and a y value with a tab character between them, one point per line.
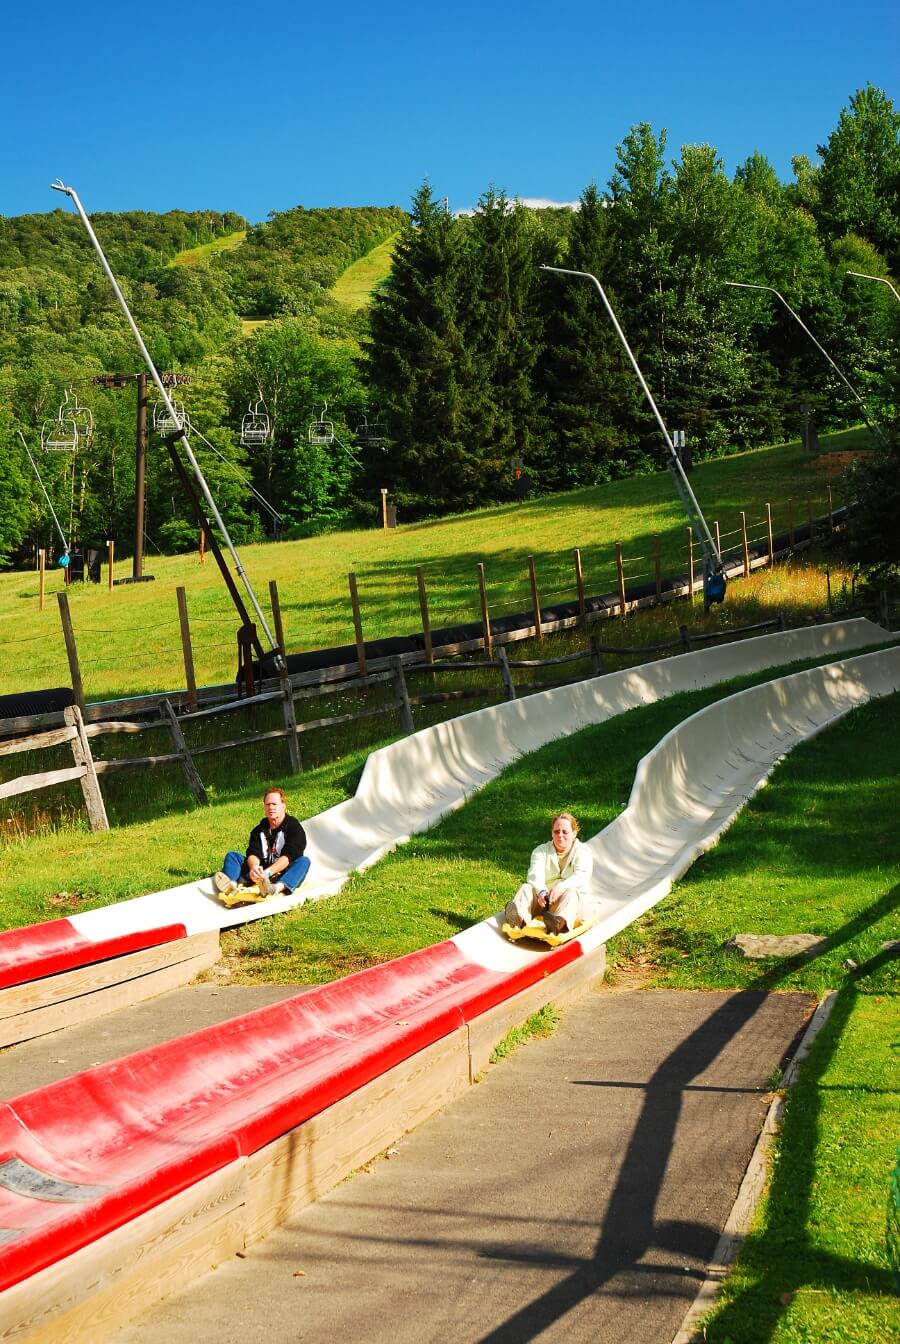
535	930
242	896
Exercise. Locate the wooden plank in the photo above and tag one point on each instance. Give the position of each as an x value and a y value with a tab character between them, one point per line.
562	986
27	723
298	1168
90	785
26	783
106	998
86	1297
48	989
129	762
119	726
52	738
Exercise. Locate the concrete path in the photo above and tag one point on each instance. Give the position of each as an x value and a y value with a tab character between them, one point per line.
576	1194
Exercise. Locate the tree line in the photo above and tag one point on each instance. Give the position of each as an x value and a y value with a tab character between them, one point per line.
483	373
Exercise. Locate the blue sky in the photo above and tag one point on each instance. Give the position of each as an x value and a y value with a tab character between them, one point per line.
262	107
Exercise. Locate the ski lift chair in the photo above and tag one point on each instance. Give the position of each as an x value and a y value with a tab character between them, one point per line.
163	422
84	421
61	435
255	427
369	436
321	431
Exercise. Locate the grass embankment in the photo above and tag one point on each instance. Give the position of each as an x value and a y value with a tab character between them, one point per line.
354	287
195	256
128	639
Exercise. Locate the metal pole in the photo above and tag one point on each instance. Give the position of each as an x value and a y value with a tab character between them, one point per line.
873	425
140	473
183	439
880	279
682	484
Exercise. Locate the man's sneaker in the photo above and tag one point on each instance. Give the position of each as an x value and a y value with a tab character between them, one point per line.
554	923
223	884
265	884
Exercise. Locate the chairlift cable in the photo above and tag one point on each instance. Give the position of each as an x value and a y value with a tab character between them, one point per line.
249	484
46	496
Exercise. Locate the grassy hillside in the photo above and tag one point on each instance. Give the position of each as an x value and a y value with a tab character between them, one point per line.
354	287
128	638
193	256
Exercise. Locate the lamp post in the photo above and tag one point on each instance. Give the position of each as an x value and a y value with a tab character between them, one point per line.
712	558
861	275
873	425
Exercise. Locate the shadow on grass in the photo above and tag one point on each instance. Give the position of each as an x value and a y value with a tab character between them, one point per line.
629	1229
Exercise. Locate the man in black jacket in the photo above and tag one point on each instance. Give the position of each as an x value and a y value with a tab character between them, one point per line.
275	861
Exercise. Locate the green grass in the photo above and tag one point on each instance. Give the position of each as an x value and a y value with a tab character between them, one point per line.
542	1023
195	256
312	576
354	286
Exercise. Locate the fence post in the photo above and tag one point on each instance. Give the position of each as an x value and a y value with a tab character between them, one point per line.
194	782
71	649
42	572
830	510
357	625
885	612
110	563
745	547
384	507
535	600
770	535
620	571
423	607
509	688
485	617
400	691
276	616
186	649
579	585
690	552
657	564
828	590
791	523
685	638
90	785
812	521
596	656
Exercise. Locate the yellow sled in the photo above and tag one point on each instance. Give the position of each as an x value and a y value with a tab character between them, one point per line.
242	896
535	929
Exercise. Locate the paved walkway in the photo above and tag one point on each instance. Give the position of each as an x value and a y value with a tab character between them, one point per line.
575	1194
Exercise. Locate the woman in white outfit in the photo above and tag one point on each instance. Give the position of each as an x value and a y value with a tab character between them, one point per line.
557	888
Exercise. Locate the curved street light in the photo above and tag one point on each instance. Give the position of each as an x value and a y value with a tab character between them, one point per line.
873	425
861	275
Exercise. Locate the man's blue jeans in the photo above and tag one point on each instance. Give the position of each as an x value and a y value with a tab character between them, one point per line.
235	867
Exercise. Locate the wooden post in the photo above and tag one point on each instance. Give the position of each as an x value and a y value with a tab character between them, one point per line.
384	515
509	687
596	656
745	547
791	523
187	651
657	564
201	546
423	607
828	591
357	625
685	638
276	616
812	521
579	584
535	599
620	571
110	563
42	573
485	616
885	612
90	785
290	723
830	510
406	718
690	554
770	534
71	649
194	782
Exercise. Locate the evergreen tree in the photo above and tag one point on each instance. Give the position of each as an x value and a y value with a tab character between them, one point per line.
859	182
